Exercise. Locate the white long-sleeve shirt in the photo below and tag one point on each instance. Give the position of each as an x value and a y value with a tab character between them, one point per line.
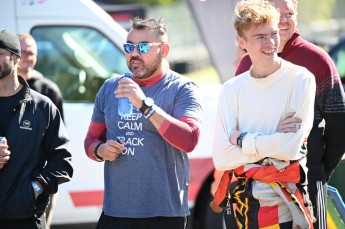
257	106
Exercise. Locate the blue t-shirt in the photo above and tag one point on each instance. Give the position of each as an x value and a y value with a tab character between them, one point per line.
151	177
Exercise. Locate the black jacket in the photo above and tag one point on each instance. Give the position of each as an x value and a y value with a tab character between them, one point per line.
48	88
40	150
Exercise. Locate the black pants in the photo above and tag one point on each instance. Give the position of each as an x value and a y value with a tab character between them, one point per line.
108	222
29	223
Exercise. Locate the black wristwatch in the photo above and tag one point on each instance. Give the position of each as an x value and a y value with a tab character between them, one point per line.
146	105
240	139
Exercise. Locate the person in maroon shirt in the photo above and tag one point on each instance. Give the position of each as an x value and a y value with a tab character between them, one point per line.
325	142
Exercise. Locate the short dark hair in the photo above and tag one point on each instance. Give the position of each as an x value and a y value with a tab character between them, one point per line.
156	24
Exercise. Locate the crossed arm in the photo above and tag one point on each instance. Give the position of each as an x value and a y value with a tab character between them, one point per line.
288	125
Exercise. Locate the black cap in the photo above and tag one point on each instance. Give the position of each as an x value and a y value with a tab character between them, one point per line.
10	42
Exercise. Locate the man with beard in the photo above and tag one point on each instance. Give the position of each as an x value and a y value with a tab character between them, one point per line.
36	156
145	155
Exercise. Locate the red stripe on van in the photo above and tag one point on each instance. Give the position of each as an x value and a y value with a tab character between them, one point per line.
87	198
200	170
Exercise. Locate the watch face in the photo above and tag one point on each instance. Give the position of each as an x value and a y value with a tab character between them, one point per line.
149	102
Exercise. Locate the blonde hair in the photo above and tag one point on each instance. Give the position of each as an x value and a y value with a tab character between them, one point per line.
26	36
250	13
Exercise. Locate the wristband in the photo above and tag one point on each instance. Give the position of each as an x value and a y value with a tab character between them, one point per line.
150	112
95	155
240	139
36	187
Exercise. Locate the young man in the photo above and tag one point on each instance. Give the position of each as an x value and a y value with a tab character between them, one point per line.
325	142
146	171
270	165
36	157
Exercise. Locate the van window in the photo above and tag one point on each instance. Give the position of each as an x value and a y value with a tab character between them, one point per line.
77	59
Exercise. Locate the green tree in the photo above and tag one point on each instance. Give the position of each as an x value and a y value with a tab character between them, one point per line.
313	10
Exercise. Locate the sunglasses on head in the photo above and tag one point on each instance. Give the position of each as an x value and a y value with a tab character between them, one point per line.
141	47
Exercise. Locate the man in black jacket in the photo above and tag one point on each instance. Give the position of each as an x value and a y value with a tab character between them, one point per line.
36	157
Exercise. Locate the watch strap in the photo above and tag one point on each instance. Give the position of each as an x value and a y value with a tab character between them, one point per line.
144	107
240	139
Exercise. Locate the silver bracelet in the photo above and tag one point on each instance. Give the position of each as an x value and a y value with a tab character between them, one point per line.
150	112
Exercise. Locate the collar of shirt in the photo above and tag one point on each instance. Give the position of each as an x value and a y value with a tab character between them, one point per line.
153	80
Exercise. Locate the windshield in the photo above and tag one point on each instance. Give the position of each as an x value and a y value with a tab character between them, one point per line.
77	59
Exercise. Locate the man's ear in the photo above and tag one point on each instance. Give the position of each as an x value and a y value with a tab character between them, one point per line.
16	59
241	42
165	50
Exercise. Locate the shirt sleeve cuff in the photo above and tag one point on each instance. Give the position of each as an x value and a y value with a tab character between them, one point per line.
248	144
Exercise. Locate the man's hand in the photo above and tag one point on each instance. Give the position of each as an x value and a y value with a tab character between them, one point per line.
131	90
110	150
4	155
289	124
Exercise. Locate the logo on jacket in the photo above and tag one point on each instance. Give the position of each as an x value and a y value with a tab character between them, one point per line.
26	125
